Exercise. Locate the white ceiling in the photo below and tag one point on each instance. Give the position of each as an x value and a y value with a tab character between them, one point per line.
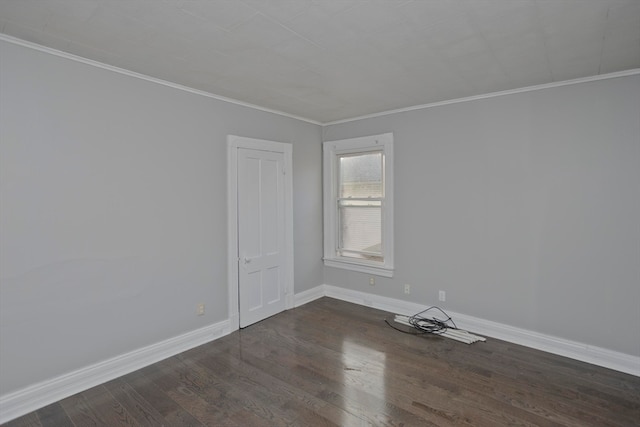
327	60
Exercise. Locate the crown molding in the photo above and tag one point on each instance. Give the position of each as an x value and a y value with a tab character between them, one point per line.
615	75
97	64
70	56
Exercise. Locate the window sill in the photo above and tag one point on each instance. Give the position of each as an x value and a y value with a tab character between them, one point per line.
359	267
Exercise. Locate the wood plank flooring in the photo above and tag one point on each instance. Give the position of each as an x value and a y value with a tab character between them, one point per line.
331	363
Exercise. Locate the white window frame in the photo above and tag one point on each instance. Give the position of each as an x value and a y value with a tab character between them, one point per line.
331	151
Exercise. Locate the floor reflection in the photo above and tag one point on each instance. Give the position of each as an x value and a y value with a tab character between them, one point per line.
363	376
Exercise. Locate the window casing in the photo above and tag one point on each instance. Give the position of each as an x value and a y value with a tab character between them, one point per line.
358	204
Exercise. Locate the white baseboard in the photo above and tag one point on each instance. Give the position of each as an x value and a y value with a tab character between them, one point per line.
44	393
305	297
575	350
36	396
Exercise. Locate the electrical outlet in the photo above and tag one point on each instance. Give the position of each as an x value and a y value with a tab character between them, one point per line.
442	295
200	309
372	281
407	288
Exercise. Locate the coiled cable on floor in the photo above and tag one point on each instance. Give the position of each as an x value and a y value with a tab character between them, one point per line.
426	325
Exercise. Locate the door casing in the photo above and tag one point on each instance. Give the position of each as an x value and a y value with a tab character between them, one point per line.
233	144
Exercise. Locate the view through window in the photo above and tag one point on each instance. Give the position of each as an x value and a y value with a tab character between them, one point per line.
360	199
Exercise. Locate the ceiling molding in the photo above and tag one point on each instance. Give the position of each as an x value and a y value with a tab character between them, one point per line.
625	73
62	54
97	64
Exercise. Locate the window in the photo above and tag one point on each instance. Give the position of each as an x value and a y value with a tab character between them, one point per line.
358	204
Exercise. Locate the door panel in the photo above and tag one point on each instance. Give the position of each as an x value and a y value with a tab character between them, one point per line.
261	234
272	285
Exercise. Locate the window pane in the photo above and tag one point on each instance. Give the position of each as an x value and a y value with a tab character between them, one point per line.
360	229
360	175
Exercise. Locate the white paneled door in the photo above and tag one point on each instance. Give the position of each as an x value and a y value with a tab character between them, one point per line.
262	235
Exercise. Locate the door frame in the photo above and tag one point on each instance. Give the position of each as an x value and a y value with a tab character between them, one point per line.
234	143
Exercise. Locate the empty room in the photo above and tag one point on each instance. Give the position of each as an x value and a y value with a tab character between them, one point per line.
319	212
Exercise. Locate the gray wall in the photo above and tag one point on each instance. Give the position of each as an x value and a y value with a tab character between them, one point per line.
113	211
524	208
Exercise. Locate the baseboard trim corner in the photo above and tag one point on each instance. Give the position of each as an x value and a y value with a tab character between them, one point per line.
31	398
309	295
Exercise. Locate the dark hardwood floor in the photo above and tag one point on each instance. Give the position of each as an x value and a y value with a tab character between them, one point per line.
334	363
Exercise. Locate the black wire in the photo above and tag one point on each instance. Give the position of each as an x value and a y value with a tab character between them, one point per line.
427	325
433	322
404	332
